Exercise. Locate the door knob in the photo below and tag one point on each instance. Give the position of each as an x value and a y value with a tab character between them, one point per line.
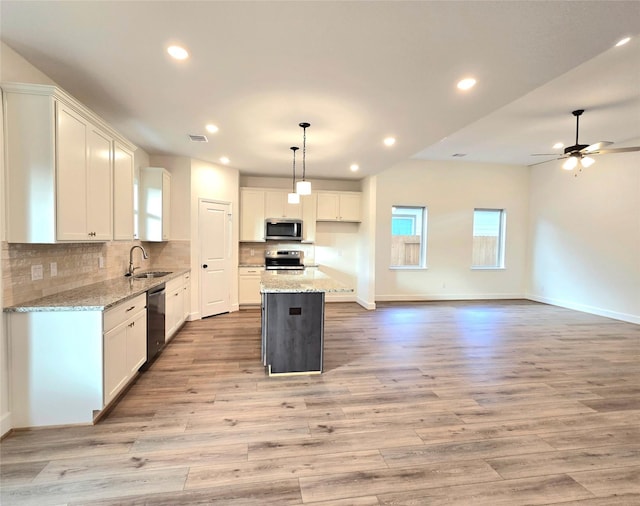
204	266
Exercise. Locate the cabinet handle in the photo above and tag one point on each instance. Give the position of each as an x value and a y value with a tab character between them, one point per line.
204	266
176	294
132	307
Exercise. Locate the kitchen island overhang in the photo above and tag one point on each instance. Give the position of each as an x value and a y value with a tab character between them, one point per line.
293	320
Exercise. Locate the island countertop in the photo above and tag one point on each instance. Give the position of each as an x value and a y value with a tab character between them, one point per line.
97	296
307	280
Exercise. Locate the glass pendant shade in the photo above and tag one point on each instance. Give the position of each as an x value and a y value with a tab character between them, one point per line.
587	161
570	164
303	188
293	198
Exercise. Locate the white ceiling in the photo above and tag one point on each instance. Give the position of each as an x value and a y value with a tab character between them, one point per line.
357	71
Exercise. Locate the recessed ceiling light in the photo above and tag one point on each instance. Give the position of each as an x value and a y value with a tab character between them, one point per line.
622	42
225	160
177	52
211	128
466	83
354	167
389	141
558	145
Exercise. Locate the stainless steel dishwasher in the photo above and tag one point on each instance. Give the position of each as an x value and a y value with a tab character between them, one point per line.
155	322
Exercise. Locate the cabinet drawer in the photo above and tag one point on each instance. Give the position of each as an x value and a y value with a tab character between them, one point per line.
122	312
174	285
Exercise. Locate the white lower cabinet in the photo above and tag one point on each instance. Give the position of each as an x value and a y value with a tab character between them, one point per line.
66	366
249	285
187	295
178	295
125	344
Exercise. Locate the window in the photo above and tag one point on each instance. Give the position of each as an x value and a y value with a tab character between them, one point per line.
488	238
408	237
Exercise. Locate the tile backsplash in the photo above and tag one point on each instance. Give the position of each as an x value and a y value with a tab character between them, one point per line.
78	265
252	253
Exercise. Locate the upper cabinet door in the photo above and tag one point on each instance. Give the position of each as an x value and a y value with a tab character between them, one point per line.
99	185
122	193
328	208
276	205
350	207
252	206
71	197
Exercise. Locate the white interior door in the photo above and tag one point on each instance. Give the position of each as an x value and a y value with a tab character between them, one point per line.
215	258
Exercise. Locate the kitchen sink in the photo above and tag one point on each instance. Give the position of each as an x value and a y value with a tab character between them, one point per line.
153	274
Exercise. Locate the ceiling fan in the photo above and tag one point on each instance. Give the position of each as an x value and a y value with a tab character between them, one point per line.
579	155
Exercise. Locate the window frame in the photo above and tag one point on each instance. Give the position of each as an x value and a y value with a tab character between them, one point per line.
502	234
422	265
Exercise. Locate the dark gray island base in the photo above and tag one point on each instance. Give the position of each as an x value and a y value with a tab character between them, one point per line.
293	320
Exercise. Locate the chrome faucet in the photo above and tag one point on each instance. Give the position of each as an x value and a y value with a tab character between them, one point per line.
144	255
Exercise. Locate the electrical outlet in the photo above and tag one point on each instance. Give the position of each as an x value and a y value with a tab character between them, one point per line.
252	252
101	262
36	272
53	267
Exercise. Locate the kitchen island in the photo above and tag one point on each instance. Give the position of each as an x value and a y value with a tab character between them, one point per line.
293	320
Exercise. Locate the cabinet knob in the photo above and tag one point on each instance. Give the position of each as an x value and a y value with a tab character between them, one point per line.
204	266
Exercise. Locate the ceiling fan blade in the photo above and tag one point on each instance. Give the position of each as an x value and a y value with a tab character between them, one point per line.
615	150
545	161
596	147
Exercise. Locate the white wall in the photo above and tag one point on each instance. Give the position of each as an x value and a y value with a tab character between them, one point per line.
366	265
13	68
450	191
585	236
213	182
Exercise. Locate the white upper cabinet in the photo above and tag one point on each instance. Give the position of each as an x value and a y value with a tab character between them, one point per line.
252	208
122	193
339	206
155	204
276	205
59	167
84	193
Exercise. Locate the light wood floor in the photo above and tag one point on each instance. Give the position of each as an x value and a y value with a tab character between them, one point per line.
465	403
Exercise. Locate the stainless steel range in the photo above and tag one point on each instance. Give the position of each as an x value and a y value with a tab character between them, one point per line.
284	260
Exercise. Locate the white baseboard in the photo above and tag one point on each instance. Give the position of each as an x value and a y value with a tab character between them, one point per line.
452	296
340	297
371	306
585	308
5	423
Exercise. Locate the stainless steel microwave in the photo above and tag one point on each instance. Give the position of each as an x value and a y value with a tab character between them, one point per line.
282	230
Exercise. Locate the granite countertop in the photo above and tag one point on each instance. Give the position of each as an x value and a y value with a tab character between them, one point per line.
308	280
97	296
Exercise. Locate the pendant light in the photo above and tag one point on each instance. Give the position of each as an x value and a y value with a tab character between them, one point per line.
304	187
293	197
